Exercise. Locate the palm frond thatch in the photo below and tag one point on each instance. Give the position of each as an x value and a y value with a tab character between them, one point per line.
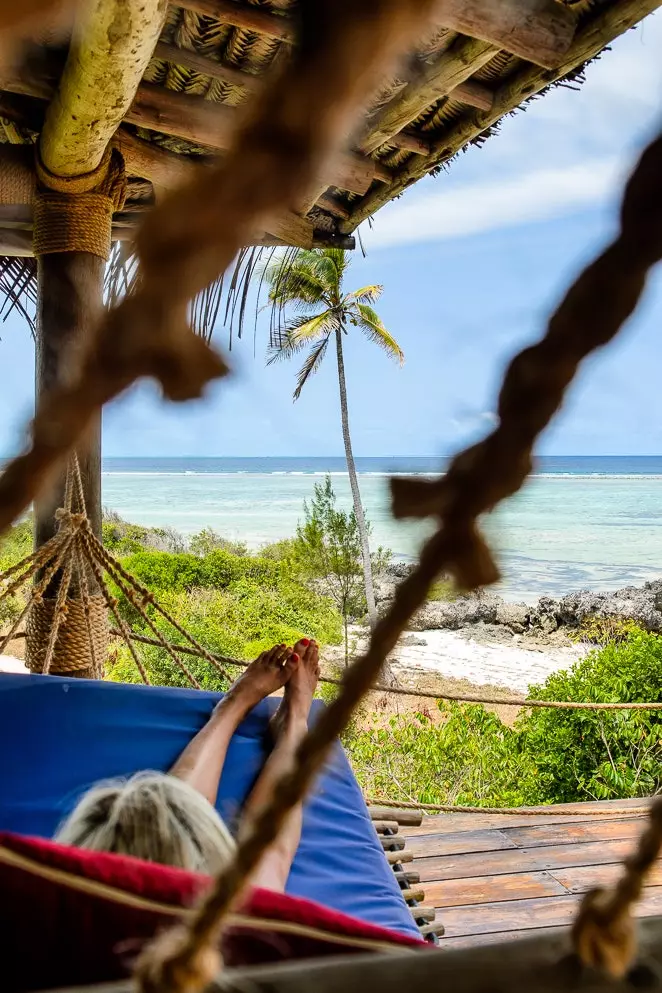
18	288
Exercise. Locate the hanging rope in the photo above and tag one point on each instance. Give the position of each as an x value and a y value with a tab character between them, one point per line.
604	935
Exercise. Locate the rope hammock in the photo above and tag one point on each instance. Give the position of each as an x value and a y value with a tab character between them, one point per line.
69	634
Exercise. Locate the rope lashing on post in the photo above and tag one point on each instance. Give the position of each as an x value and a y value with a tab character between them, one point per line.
604	935
591	314
63	634
75	214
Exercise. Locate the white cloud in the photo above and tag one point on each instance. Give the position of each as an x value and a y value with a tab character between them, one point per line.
505	202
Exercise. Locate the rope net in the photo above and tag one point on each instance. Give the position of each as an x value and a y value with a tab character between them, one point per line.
69	634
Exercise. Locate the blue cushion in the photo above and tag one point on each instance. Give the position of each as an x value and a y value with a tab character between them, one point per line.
60	736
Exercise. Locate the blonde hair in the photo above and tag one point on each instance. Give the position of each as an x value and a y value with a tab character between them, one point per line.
151	816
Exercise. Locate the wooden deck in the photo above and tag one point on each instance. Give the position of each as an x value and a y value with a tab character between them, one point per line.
494	877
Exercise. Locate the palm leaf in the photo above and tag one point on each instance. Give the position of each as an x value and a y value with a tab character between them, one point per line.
300	333
371	325
367	294
295	279
18	288
311	365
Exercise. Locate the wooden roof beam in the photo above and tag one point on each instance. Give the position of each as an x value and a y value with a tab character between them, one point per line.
206	66
540	31
166	171
213	125
590	40
473	94
434	80
111	47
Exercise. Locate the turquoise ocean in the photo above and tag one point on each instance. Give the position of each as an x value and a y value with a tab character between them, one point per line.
579	523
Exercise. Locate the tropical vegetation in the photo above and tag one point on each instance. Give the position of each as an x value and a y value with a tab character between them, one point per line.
236	604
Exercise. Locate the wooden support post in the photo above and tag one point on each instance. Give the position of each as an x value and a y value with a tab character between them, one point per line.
69	302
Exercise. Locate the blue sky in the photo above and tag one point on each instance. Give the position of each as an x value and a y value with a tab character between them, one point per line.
472	262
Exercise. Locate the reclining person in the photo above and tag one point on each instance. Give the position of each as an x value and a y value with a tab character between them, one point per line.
170	817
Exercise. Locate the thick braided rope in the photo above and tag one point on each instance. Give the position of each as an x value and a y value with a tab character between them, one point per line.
75	214
603	934
54	549
111	603
81	625
593	311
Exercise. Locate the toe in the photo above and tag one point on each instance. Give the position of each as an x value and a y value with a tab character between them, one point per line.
281	655
301	646
290	664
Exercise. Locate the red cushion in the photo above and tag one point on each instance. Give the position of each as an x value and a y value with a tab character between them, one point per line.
70	916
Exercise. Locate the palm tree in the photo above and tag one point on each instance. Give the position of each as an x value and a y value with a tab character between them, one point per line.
310	282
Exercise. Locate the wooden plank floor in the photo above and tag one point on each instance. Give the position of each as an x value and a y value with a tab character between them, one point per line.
492	875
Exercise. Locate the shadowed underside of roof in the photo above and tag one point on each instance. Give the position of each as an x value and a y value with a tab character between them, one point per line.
213	56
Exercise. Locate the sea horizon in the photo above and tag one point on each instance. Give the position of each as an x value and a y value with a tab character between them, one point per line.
589	465
580	522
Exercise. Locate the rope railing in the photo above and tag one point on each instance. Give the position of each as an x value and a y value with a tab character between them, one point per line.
509	701
456	808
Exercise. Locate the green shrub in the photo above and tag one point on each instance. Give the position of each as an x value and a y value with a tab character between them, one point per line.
470	758
603	630
550	756
208	540
599	755
122	538
239	618
15	544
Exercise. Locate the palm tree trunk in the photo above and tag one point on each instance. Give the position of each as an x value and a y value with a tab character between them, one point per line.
354	484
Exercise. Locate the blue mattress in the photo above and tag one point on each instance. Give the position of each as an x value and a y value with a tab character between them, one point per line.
60	736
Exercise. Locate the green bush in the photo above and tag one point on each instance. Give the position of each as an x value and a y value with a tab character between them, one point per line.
15	544
549	756
599	755
235	606
470	758
208	540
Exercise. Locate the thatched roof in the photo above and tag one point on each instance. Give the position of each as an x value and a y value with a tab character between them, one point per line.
213	55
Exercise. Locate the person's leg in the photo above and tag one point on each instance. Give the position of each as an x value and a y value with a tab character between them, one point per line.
201	763
289	724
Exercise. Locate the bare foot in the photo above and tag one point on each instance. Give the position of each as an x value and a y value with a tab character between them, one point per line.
268	673
300	690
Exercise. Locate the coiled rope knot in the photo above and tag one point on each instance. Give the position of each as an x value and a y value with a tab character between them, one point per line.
75	214
604	935
70	522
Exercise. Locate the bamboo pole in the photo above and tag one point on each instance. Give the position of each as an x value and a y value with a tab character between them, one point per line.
111	47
